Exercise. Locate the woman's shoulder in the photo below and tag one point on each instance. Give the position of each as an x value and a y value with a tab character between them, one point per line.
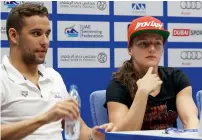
116	84
170	74
169	70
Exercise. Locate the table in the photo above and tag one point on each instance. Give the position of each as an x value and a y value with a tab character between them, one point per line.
151	135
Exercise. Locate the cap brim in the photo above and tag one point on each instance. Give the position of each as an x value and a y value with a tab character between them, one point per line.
165	34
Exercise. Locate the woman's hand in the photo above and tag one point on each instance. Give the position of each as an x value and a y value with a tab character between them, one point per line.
96	135
149	82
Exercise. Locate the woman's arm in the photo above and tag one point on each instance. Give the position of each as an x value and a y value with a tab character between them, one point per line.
187	109
128	119
86	132
131	119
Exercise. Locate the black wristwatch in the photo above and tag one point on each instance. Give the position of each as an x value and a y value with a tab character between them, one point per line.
91	138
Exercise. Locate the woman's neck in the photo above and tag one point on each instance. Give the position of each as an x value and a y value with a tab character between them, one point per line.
143	70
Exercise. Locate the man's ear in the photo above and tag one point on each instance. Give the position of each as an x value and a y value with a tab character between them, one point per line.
13	35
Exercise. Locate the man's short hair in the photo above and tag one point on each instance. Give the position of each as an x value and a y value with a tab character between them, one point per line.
17	14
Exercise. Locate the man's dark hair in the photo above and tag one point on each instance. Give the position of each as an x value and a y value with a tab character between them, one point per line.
16	16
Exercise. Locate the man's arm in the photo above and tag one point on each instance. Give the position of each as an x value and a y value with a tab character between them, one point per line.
85	131
16	131
19	130
187	109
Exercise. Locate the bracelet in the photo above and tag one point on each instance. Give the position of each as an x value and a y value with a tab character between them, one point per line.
91	138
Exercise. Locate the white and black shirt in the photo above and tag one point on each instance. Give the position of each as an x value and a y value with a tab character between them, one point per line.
21	99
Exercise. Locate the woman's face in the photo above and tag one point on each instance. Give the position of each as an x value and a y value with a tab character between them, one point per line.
146	49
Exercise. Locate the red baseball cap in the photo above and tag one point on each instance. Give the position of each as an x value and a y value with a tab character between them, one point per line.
146	24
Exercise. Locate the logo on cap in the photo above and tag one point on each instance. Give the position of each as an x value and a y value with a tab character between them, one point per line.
148	24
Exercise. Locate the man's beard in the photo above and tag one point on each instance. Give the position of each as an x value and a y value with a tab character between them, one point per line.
29	57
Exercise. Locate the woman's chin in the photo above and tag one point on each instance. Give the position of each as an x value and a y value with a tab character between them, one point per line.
151	64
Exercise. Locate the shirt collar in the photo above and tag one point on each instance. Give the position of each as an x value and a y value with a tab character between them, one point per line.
17	77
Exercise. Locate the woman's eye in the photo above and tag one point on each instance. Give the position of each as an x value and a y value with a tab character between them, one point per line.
158	43
143	44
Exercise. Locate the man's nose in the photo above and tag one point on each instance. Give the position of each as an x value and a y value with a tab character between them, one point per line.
45	40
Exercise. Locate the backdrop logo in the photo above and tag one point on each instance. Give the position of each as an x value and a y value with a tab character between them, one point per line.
181	32
83	31
71	32
102	57
83	58
3	30
11	4
101	5
77	4
191	55
139	7
87	31
193	5
186	32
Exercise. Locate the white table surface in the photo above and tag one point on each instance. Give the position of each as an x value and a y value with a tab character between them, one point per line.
161	133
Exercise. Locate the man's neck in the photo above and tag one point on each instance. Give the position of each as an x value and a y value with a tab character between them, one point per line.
27	70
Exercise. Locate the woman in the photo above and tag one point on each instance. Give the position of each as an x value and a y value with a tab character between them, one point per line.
143	95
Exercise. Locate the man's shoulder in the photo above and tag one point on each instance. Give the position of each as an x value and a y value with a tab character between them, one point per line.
51	70
2	71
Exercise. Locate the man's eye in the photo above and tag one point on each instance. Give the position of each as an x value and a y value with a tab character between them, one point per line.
47	34
36	33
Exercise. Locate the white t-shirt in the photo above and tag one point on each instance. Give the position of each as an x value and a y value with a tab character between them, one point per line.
21	99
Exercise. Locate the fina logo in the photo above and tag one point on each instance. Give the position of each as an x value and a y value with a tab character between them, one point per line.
138	6
11	4
71	32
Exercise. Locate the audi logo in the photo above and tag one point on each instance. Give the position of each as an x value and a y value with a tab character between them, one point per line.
191	55
191	5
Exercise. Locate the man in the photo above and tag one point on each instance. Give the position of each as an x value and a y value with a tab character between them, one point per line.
34	98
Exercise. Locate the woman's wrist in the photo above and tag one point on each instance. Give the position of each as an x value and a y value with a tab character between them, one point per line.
142	91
